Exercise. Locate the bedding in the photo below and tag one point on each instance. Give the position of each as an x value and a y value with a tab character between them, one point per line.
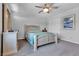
37	35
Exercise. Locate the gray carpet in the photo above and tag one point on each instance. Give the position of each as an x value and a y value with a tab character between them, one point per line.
63	48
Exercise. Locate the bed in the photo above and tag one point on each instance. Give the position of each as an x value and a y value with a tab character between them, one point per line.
36	37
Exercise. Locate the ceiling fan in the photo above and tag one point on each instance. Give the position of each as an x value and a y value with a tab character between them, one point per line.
47	7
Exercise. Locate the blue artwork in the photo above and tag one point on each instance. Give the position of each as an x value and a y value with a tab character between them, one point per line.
68	23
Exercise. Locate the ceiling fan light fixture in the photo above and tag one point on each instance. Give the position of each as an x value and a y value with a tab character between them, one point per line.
47	7
45	10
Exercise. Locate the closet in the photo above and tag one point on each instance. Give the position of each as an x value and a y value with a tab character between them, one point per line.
9	37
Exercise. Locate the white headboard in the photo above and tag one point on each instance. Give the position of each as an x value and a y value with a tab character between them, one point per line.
32	28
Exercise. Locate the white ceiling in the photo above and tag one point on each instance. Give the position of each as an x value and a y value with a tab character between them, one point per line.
29	9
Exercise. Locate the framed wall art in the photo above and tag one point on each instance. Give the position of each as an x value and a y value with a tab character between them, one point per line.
69	22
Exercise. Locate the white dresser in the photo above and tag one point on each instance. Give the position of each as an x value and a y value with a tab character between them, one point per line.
9	43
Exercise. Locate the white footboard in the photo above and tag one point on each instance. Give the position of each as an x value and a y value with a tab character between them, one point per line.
44	40
56	39
35	43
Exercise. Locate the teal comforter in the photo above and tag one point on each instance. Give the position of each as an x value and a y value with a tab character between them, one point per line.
33	36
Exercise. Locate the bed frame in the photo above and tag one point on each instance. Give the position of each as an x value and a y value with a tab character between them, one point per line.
31	28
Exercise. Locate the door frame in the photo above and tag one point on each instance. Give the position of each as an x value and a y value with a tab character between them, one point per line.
2	29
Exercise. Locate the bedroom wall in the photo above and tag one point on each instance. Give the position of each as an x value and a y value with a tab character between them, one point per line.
18	24
57	26
0	25
54	25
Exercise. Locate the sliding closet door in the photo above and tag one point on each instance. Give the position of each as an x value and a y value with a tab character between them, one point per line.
0	25
4	24
6	18
7	27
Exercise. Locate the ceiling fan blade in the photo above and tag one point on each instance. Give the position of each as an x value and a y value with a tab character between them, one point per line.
38	6
40	11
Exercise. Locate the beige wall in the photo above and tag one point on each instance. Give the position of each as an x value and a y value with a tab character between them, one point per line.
0	25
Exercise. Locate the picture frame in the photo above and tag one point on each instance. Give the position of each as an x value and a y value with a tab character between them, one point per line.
69	22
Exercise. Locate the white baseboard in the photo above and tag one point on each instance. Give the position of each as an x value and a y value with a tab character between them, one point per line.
70	41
